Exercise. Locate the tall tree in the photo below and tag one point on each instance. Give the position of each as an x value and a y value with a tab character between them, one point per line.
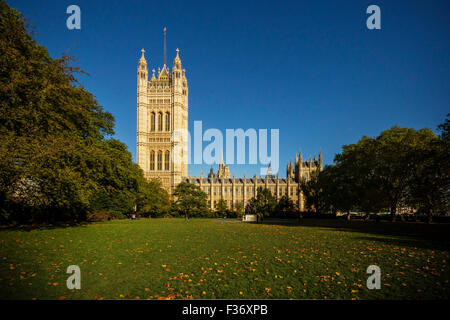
59	161
221	207
265	202
429	185
313	192
190	200
284	207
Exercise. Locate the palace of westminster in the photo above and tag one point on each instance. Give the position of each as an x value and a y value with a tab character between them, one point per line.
162	109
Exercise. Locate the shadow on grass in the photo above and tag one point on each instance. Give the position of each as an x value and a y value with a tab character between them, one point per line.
30	227
411	234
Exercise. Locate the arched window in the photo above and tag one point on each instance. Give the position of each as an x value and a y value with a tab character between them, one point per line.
167	121
167	161
160	160
160	119
152	160
152	122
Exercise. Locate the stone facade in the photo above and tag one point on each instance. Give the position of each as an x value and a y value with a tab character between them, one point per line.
237	191
162	122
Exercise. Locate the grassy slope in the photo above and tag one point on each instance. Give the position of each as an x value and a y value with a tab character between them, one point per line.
209	259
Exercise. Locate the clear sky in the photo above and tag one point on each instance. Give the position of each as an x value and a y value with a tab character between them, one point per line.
309	68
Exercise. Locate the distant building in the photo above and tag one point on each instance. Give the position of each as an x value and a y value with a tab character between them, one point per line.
237	191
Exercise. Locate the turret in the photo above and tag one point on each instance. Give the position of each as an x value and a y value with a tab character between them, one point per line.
142	80
142	71
153	76
177	72
211	173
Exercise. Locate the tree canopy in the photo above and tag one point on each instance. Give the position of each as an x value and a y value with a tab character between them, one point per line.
190	200
59	159
402	167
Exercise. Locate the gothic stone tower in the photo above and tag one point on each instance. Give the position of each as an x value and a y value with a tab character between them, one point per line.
162	123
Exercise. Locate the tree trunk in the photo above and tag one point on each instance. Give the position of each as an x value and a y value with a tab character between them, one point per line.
430	216
349	217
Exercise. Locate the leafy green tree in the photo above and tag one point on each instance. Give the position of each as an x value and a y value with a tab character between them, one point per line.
284	207
313	192
58	161
153	200
444	128
190	200
221	207
429	184
401	166
356	172
263	204
394	161
239	210
340	192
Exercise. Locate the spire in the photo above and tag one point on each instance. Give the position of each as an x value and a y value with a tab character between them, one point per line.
164	45
153	76
142	61
177	61
142	71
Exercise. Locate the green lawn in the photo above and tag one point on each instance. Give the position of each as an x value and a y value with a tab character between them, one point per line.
204	258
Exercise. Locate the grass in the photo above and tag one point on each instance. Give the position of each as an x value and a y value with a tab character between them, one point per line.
204	258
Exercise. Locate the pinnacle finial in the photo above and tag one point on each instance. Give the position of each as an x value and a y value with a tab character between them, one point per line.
142	56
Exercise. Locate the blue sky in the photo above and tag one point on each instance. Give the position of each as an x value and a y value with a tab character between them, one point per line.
309	68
